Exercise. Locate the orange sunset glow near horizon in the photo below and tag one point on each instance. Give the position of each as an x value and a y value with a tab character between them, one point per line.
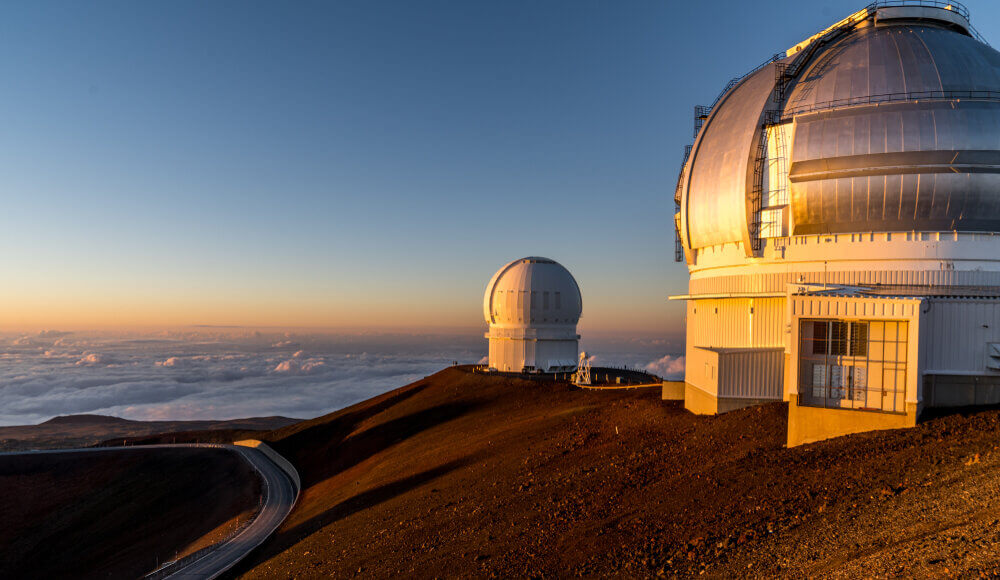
421	312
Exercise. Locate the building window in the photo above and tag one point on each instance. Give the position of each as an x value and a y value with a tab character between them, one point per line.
838	338
853	364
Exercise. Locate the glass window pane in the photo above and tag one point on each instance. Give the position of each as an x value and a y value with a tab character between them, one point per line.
876	331
859	339
890	331
838	338
819	337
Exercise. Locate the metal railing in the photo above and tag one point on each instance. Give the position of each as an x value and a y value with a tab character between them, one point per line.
786	74
892	98
701	112
955	7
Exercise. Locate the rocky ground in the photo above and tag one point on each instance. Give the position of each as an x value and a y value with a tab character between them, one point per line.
470	475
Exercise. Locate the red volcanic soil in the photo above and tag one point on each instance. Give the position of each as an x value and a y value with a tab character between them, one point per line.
472	475
86	430
115	514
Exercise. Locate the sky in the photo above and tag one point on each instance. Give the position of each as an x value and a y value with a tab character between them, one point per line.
356	164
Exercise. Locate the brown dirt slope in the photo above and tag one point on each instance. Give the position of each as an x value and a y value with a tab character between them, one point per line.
86	430
470	475
114	514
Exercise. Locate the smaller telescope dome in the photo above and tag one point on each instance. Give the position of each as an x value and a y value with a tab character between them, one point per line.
532	306
532	290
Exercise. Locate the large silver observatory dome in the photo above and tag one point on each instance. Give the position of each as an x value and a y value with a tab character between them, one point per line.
839	215
894	120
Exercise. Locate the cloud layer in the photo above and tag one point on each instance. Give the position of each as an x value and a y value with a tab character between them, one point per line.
208	374
669	367
205	376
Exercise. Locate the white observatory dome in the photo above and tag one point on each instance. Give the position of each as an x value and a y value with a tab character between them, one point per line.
532	306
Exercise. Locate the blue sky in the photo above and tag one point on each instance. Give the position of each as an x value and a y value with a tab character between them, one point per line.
356	163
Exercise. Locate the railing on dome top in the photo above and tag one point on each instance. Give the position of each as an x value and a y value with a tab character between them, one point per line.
701	112
787	73
892	98
955	7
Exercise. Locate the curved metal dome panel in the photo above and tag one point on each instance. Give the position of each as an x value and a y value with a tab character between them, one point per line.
721	164
926	165
532	291
884	63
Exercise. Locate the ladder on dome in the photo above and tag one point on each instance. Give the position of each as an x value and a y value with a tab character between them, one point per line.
776	194
785	73
678	245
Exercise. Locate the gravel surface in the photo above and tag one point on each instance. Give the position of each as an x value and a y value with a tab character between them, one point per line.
469	475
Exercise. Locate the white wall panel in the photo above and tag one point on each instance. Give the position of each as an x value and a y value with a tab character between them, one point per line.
955	334
752	374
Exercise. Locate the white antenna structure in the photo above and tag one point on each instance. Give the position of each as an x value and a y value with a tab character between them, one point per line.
582	374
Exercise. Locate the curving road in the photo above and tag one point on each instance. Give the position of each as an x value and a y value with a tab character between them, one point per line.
278	499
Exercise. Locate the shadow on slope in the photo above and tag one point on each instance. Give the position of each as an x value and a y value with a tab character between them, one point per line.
540	479
114	514
365	500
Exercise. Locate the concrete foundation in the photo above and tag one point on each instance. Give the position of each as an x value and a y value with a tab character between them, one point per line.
810	424
699	402
673	391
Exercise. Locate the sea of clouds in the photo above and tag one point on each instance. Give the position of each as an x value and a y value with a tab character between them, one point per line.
226	374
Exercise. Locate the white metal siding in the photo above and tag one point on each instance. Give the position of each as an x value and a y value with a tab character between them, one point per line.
756	374
719	323
741	323
846	307
768	322
736	322
955	335
771	282
701	369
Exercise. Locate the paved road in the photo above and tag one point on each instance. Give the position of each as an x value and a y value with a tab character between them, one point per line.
279	498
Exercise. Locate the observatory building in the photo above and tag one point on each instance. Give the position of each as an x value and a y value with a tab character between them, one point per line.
532	306
839	213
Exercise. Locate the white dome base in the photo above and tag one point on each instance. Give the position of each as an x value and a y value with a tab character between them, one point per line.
515	355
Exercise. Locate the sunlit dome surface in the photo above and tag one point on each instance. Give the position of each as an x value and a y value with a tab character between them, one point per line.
896	128
532	306
532	291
